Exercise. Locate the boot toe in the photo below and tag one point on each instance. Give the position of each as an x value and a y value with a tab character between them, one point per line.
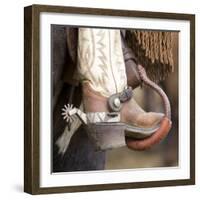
146	125
154	119
149	120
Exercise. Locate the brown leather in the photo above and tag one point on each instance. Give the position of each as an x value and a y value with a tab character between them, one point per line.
133	77
93	101
153	139
131	112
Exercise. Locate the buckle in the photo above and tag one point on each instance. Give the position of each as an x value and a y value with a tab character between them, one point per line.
115	101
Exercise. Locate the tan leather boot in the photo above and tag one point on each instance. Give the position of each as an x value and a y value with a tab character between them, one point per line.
138	123
141	129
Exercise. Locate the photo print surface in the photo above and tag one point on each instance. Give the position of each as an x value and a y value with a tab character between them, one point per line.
114	98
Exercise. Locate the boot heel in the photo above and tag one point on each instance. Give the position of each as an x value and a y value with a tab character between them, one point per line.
106	135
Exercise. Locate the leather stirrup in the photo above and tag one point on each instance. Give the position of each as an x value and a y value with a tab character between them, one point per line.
165	125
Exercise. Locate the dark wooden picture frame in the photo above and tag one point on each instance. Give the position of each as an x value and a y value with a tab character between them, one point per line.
32	104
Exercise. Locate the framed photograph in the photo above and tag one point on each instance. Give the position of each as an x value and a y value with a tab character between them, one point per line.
109	99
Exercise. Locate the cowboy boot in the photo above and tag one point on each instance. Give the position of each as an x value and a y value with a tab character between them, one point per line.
102	69
137	123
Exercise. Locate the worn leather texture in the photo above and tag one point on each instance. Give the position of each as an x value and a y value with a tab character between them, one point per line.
155	138
133	78
93	101
131	113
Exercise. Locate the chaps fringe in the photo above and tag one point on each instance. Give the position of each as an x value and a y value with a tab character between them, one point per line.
153	50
